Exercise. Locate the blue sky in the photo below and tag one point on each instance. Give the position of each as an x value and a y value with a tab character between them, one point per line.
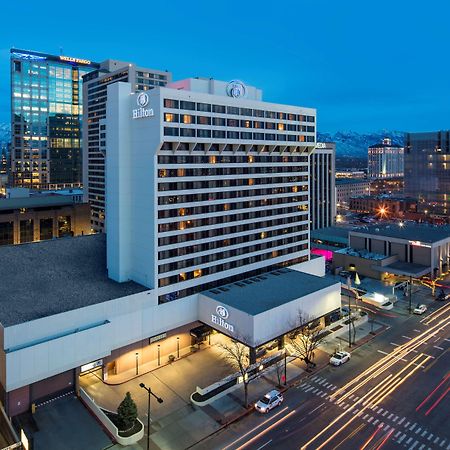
364	65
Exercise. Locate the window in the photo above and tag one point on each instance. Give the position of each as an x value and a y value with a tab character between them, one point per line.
271	114
204	107
64	226
187	105
246	112
169	131
270	126
46	229
292	116
17	66
281	126
232	110
186	118
246	123
310	119
219	109
169	117
6	233
169	103
259	136
246	135
232	134
310	129
280	115
220	134
258	113
232	122
26	231
203	120
270	137
189	132
204	133
219	121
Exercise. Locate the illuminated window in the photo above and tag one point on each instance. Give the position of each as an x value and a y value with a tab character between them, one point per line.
212	160
181	212
183	276
281	126
168	117
251	181
294	188
263	234
197	273
162	173
187	118
250	159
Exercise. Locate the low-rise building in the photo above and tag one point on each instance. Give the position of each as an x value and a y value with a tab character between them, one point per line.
387	186
409	250
350	187
28	219
383	206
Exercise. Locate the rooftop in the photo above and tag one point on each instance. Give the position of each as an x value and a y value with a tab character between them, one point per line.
362	254
351	181
410	232
35	202
50	277
333	234
267	291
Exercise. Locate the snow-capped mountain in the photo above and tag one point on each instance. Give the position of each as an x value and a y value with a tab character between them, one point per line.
351	143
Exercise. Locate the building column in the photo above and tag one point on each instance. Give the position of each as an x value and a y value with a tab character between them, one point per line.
252	355
281	342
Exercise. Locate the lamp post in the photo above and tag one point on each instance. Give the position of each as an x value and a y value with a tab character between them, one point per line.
178	347
159	354
137	363
159	399
410	293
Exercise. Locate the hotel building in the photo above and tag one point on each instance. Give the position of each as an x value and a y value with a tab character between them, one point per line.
322	167
386	160
207	194
46	116
95	95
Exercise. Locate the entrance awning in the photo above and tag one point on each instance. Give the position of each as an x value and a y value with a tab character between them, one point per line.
200	331
405	269
265	307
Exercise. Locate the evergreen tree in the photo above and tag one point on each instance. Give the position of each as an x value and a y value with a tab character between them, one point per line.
127	412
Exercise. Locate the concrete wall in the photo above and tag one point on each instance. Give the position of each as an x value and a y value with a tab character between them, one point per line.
315	266
399	250
363	266
356	242
51	345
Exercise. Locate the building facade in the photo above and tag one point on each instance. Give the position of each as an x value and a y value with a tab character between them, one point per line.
387	186
383	206
46	119
349	187
427	171
95	96
386	160
32	219
322	167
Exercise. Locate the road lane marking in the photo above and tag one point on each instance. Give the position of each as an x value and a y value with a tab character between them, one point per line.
408	441
401	439
315	409
390	415
439	348
375	422
430	436
406	337
418	430
401	421
381	351
424	433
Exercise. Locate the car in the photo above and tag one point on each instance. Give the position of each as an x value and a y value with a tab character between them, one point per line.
339	358
271	400
420	309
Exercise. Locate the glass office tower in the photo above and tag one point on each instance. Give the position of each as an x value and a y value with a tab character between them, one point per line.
427	171
46	116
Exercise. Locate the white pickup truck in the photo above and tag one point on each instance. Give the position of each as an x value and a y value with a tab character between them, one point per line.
378	300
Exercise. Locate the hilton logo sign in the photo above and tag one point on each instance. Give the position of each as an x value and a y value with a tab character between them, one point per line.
141	112
220	319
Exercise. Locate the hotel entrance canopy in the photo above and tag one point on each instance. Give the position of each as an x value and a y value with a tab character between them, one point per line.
260	309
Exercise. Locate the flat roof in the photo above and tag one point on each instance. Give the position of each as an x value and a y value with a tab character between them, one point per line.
332	234
404	268
44	278
351	181
40	201
267	291
410	232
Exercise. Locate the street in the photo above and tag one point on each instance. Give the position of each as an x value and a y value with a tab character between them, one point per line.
391	394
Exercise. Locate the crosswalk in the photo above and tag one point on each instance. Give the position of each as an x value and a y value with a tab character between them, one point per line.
408	434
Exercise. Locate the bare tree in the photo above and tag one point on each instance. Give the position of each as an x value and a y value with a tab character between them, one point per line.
238	356
306	338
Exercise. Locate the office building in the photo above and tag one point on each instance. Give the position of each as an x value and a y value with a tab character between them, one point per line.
387	186
95	96
29	219
427	171
322	166
207	191
383	206
385	160
46	119
350	187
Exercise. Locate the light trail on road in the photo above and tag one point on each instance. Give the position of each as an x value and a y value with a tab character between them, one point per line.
383	388
436	314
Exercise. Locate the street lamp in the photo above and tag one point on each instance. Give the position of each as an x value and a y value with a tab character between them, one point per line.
178	347
159	399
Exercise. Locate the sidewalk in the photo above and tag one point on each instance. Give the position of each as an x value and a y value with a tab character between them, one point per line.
177	424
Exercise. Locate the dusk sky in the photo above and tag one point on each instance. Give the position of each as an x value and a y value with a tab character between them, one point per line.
365	66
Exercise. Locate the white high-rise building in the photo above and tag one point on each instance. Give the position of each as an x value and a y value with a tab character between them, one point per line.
206	184
386	160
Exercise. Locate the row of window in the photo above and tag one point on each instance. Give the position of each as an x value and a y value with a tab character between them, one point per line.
209	221
206	234
224	195
222	134
185	263
222	109
212	171
223	281
217	208
197	273
189	119
225	158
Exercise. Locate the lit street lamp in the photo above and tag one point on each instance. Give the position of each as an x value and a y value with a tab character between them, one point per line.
159	399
